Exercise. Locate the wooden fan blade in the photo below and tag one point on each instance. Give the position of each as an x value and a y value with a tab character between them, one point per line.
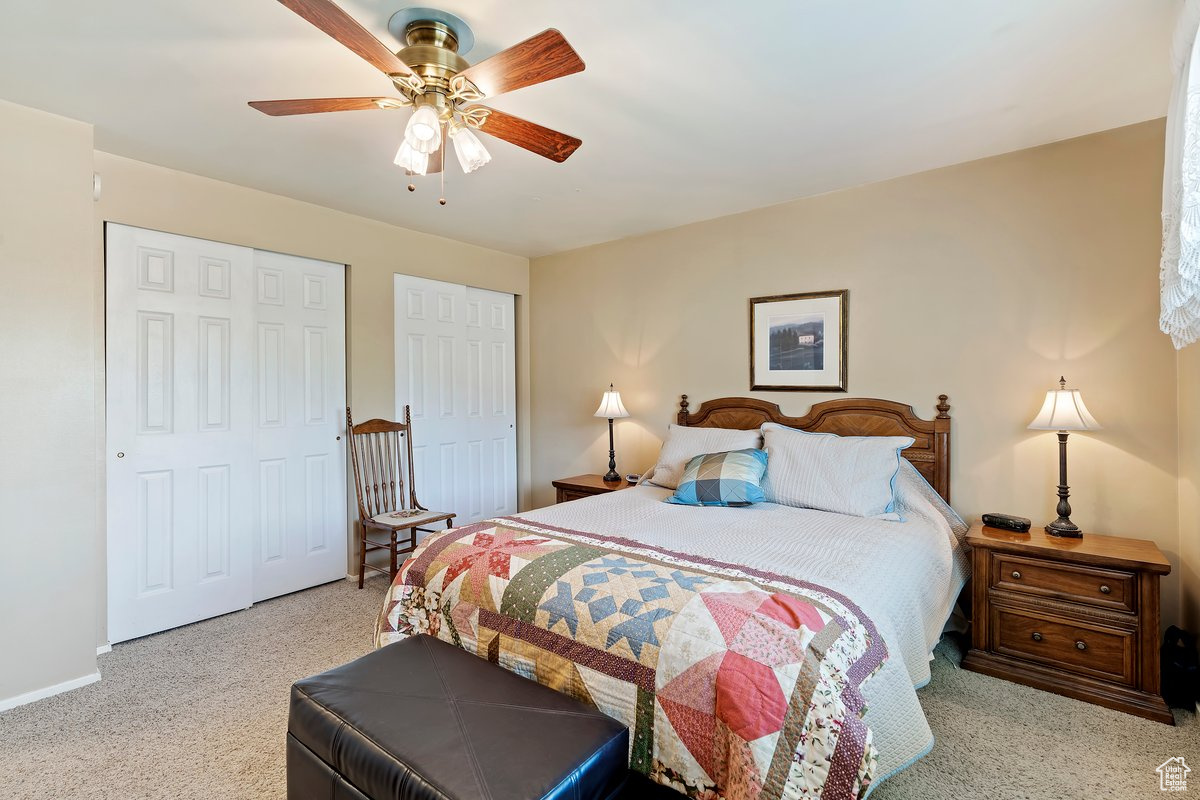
529	135
285	108
344	29
537	59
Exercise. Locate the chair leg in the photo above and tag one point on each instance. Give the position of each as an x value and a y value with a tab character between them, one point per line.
392	571
362	554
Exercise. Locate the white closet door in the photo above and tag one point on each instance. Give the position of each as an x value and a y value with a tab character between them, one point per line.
225	410
491	413
299	409
179	335
455	366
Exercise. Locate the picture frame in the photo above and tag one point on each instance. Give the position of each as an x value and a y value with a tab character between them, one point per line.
798	342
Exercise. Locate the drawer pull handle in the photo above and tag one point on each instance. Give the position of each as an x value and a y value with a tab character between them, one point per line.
1081	645
1016	575
1105	589
1037	637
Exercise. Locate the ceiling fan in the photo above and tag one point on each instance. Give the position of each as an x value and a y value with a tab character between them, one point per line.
441	87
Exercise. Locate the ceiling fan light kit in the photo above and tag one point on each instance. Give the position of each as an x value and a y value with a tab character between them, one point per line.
424	130
470	151
412	160
441	86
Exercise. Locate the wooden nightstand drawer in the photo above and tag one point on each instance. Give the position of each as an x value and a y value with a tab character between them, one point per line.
1082	647
585	486
572	494
1093	586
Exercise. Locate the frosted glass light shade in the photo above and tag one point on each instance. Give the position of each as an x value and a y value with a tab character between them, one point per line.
424	130
411	160
611	406
1064	411
470	151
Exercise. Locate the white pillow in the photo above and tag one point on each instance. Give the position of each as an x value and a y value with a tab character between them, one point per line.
847	474
684	443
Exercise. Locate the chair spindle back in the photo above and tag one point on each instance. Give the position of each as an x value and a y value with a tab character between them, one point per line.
381	454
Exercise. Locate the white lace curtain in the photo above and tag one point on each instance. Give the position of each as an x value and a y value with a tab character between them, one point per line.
1179	269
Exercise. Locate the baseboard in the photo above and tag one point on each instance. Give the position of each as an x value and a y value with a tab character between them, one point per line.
49	691
104	648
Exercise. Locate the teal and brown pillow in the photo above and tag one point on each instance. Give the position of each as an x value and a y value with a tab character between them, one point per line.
722	479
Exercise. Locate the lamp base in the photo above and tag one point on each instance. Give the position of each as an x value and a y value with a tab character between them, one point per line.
612	476
1065	528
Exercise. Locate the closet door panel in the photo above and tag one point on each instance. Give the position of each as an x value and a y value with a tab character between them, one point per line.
300	427
179	461
455	350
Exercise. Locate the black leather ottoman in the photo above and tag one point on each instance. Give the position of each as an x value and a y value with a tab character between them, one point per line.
423	720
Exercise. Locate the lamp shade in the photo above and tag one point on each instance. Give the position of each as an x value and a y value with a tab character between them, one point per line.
424	130
470	151
1064	411
411	160
611	406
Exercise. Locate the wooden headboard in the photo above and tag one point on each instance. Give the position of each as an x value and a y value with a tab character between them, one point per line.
850	416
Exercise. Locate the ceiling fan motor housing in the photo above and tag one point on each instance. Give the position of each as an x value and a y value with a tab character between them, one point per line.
432	53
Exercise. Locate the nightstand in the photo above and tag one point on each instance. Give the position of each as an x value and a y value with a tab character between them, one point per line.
1078	617
586	486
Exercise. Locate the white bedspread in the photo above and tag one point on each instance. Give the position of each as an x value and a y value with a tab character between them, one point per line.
904	575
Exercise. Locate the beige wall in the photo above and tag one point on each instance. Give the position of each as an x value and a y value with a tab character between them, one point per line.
1008	270
984	281
48	475
136	193
52	566
1189	484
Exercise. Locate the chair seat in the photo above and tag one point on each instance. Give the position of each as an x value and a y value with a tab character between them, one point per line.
424	518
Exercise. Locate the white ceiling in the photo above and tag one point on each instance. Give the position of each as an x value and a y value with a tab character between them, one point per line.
688	109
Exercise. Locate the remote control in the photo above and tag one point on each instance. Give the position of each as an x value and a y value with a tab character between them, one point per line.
1007	522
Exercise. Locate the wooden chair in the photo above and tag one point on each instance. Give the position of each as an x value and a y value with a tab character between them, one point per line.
381	453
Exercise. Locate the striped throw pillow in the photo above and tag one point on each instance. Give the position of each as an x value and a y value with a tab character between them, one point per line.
722	479
852	475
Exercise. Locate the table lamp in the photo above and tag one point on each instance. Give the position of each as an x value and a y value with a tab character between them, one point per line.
1063	411
611	408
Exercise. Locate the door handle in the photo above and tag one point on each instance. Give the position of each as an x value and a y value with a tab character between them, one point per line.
121	454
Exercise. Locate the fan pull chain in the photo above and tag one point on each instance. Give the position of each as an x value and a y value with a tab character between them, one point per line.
445	144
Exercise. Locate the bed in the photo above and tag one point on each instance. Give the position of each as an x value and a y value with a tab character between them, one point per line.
883	588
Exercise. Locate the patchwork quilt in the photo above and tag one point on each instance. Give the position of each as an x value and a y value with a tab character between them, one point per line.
735	683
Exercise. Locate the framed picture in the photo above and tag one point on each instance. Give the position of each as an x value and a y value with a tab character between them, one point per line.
798	342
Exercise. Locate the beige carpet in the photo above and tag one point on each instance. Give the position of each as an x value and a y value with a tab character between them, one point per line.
200	712
1002	741
196	712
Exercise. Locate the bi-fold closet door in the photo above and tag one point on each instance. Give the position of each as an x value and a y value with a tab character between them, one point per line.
225	381
456	368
